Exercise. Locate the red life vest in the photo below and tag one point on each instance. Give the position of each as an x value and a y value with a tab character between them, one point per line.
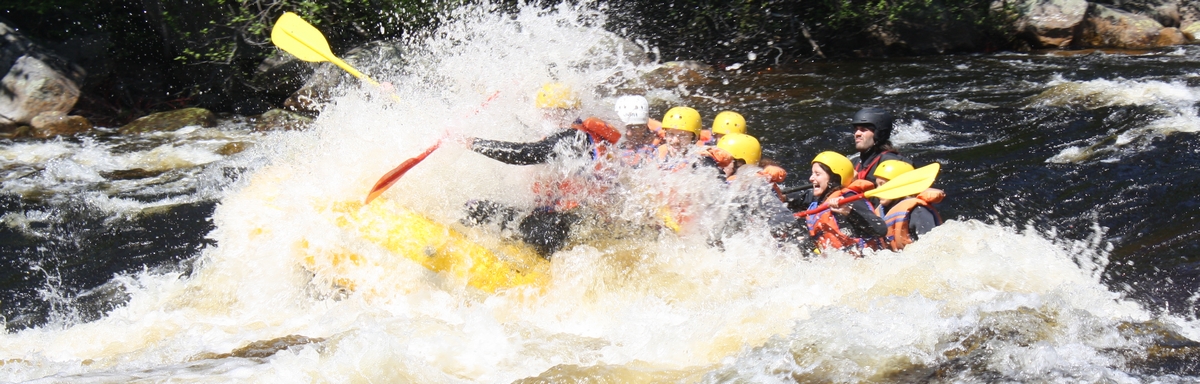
898	235
824	229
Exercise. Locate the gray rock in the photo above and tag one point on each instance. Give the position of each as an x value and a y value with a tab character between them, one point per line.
31	87
170	121
687	73
54	123
1165	12
1044	23
1191	30
35	80
1111	28
278	119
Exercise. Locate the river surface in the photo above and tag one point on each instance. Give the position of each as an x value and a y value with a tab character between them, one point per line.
1070	252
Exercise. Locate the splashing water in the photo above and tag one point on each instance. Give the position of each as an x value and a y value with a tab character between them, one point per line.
1172	104
970	301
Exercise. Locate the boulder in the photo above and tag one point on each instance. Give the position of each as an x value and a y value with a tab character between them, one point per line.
1043	23
171	120
1191	30
1170	36
1189	13
51	124
35	80
14	131
688	73
278	119
1105	27
1165	12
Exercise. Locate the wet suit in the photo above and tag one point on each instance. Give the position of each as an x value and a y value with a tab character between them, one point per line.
537	152
546	228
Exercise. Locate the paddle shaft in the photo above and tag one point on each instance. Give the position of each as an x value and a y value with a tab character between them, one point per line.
301	32
822	207
392	176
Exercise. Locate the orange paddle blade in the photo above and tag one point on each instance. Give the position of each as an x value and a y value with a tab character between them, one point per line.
390	178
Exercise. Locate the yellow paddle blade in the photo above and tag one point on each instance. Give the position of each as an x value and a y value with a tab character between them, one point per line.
908	183
299	38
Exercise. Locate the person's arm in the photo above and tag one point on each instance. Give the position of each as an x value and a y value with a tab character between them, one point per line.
800	200
920	222
537	152
864	221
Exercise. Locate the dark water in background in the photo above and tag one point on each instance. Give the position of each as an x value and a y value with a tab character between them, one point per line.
993	121
995	155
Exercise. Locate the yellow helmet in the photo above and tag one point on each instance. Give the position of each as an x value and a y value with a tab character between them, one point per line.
837	163
728	122
557	95
892	168
742	147
682	118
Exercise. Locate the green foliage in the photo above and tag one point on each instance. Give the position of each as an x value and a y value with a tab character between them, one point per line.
725	31
206	52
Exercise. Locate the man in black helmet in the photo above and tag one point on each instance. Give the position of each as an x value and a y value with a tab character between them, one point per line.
872	140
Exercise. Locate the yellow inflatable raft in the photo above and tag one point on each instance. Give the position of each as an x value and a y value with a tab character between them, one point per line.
483	261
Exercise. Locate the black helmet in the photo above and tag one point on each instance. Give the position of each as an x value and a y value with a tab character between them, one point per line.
879	118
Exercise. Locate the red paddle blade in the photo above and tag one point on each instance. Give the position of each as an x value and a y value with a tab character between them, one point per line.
390	178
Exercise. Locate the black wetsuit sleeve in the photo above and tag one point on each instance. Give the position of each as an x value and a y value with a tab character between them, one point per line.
800	200
537	152
864	221
920	222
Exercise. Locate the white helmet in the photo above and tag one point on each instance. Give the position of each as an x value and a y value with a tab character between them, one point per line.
633	109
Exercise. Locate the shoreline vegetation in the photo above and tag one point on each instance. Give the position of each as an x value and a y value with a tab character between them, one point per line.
112	64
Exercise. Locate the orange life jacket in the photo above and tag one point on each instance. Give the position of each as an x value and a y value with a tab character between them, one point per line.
601	134
898	235
824	229
706	138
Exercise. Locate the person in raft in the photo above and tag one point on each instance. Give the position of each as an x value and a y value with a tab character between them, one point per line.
730	122
873	141
850	227
547	228
909	217
750	201
639	142
680	129
724	123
